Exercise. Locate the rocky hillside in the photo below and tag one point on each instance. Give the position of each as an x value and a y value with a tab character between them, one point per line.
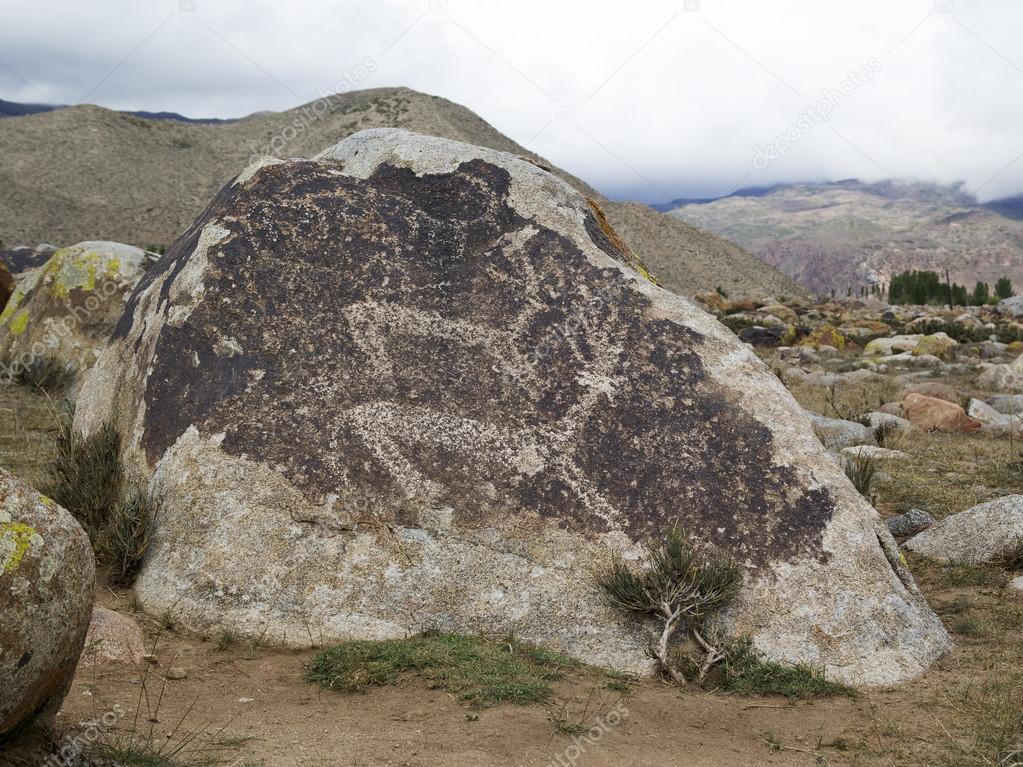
85	173
848	233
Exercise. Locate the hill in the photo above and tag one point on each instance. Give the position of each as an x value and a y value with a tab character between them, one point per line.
84	172
849	233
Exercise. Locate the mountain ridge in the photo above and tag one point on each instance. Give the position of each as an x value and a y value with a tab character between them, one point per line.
846	234
84	172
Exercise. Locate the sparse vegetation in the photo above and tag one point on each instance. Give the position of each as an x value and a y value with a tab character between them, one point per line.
123	541
680	587
86	472
46	373
967	574
1013	559
87	479
479	671
744	671
861	471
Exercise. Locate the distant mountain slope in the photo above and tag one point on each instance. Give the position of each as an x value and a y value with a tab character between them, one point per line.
88	173
14	109
849	233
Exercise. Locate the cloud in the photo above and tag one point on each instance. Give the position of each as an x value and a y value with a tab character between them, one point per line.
652	100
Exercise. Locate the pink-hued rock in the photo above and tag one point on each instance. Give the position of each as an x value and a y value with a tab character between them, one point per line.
933	414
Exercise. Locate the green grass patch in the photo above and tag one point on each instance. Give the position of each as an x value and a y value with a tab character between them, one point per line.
960	574
745	672
476	670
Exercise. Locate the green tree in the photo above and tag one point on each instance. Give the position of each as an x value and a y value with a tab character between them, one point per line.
981	293
1003	288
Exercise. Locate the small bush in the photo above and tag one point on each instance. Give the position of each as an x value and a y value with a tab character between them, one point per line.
680	587
123	541
46	373
476	670
87	473
861	470
88	480
1013	558
884	431
745	672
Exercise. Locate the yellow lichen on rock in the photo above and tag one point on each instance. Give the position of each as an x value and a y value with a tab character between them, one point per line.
19	323
15	538
11	308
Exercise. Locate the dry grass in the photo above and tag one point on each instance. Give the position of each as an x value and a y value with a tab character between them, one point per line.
949	473
944	474
847	400
26	433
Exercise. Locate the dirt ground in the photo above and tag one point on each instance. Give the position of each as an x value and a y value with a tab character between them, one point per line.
250	705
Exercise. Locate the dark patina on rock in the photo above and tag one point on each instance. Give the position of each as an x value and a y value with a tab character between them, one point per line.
441	360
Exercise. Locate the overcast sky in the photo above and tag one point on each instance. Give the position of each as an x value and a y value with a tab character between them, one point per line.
646	100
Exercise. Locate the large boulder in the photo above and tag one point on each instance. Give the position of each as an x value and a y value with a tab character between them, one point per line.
414	382
933	414
67	308
46	586
984	533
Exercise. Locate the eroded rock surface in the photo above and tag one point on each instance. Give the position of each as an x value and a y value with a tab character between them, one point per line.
417	383
46	586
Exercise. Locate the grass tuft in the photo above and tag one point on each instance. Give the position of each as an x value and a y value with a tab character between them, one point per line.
861	470
745	672
476	670
124	539
87	479
47	373
86	473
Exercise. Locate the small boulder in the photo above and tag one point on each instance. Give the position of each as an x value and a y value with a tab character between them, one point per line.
113	638
934	389
1010	307
984	533
1016	583
1007	404
891	408
782	312
990	419
888	346
939	345
1000	378
912	522
46	585
872	452
893	423
825	335
67	308
933	414
711	301
836	434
